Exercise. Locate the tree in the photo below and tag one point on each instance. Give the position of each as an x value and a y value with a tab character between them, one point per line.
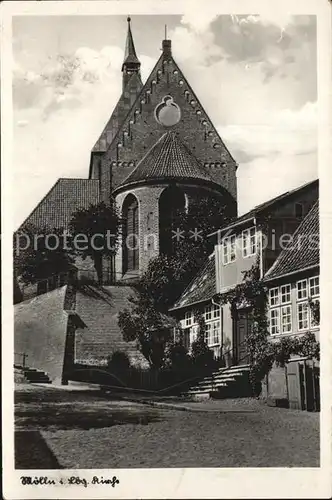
40	253
95	232
168	275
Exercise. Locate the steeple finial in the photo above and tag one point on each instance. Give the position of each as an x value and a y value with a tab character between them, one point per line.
131	62
130	52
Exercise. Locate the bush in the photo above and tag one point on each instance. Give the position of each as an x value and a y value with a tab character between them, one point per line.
177	357
119	362
201	355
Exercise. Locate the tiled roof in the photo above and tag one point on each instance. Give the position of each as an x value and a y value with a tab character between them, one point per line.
202	288
168	158
63	199
303	250
266	205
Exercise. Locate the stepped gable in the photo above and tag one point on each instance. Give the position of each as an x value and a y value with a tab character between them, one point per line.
169	158
202	287
303	251
98	308
64	198
131	87
141	128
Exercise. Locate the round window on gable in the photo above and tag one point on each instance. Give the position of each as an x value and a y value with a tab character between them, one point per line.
167	112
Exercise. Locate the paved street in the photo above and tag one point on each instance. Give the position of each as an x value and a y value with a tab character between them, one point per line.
81	429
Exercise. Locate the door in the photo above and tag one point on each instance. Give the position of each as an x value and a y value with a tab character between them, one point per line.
241	325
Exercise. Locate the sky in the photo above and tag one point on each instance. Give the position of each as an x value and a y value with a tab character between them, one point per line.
255	76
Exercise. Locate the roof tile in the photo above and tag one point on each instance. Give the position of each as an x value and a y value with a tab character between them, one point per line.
168	158
63	199
202	288
302	251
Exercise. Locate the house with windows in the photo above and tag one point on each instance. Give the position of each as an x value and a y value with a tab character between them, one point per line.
258	236
158	154
293	283
197	300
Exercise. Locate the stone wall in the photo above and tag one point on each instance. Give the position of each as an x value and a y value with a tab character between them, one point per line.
40	332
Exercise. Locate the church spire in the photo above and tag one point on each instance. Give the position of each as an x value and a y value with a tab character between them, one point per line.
131	63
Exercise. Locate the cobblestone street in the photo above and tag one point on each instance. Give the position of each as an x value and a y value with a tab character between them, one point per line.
83	430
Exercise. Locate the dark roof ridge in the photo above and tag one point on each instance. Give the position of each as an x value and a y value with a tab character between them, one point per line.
262	206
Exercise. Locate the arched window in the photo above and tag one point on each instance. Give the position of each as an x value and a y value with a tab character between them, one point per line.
130	241
172	205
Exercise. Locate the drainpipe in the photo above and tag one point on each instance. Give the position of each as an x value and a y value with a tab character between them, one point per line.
221	323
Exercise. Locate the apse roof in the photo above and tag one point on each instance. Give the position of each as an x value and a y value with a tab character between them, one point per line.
168	158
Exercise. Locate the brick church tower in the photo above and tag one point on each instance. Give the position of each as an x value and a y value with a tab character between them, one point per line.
159	151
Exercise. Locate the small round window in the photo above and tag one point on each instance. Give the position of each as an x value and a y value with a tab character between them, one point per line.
167	112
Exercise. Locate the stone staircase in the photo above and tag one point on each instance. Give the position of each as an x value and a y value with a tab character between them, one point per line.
232	382
34	376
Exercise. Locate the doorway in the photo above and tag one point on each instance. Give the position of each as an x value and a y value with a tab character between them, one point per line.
241	328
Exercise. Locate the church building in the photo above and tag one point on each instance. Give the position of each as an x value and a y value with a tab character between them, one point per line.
157	154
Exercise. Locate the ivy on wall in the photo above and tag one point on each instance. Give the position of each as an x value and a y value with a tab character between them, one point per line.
252	293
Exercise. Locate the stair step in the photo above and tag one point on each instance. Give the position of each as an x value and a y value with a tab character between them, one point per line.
239	367
215	382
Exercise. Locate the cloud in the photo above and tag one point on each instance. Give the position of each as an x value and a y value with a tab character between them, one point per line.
259	91
288	132
269	176
199	20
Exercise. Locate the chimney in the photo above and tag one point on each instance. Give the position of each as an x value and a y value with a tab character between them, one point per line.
167	48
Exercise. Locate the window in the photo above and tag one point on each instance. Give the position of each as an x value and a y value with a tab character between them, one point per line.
130	243
303	316
314	286
208	333
216	311
212	333
249	244
285	292
302	290
188	318
298	210
216	332
208	313
286	319
274	321
274	297
228	249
